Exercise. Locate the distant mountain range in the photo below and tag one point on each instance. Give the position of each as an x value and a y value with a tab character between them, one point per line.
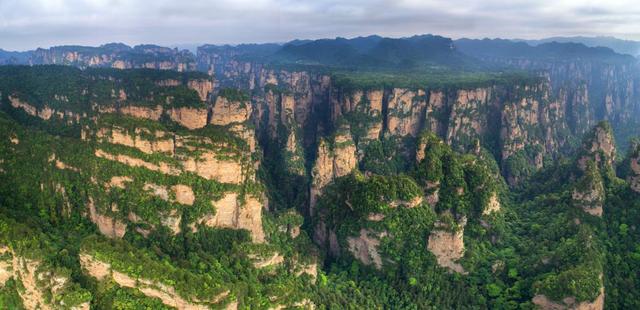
420	52
618	45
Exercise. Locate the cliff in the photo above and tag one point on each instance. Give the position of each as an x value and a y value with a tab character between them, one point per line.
40	284
104	270
589	193
332	161
135	156
116	55
598	146
633	176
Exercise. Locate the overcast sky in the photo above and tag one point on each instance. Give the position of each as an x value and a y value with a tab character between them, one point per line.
27	24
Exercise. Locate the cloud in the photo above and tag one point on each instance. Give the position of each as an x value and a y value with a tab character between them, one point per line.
42	23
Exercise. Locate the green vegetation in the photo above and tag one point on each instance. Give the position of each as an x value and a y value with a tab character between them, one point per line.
518	242
67	89
432	79
233	94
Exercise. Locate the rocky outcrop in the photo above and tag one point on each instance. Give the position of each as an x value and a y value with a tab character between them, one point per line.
202	156
599	147
542	302
493	205
406	112
161	142
167	294
191	118
365	247
149	113
203	87
184	194
230	212
269	261
116	55
45	113
634	170
468	117
38	283
119	182
226	112
210	167
332	161
6	265
447	245
161	167
61	165
107	225
589	193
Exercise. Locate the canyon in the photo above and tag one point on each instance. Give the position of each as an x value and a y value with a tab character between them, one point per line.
300	173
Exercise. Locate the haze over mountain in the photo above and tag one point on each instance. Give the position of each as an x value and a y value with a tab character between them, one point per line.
620	46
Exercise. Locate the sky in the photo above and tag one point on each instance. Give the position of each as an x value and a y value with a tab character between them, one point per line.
28	24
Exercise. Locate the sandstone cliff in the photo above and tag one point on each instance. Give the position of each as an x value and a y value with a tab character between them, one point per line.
634	166
365	247
589	193
39	282
116	55
102	270
332	161
599	147
447	244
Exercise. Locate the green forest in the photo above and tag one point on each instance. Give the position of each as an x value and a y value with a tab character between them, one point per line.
415	223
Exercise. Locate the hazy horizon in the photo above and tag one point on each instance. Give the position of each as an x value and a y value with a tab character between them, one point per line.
44	23
193	46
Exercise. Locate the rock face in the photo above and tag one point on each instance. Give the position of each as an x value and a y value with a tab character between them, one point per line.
406	109
448	246
218	159
167	294
226	112
191	118
599	147
45	113
270	261
365	247
153	114
569	303
530	122
231	213
589	192
466	121
162	142
116	55
203	87
634	174
108	226
38	282
492	206
184	194
162	167
332	163
208	166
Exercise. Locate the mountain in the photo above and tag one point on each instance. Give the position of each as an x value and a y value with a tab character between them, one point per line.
620	46
500	48
13	58
374	52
